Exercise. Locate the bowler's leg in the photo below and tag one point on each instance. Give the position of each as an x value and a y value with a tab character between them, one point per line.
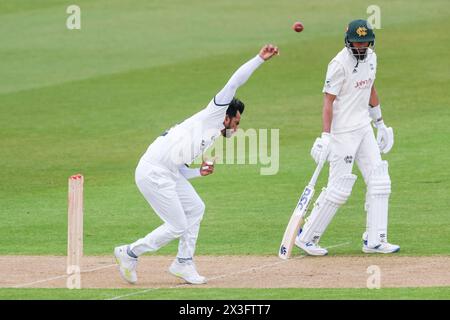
158	188
162	196
194	209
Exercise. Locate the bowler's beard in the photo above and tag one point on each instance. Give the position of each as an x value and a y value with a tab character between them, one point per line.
227	132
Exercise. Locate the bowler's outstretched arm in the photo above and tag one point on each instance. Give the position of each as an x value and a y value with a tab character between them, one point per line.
241	76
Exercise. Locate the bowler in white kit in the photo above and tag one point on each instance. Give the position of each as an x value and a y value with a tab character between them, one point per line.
163	172
350	104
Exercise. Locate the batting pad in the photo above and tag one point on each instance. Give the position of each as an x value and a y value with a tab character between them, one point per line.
377	202
325	207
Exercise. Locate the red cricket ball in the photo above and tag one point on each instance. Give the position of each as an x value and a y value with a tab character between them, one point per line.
298	27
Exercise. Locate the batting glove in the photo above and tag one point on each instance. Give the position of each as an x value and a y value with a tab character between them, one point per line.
385	135
321	148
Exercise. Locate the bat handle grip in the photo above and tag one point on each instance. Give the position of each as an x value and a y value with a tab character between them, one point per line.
319	167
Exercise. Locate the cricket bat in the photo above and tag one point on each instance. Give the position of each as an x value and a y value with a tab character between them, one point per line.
298	216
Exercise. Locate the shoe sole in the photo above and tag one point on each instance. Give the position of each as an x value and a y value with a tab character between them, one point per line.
365	250
179	275
120	270
315	255
311	254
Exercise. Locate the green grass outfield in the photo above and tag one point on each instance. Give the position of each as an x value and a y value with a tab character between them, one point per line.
92	100
439	293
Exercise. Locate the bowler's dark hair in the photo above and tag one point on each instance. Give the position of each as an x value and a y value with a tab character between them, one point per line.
235	106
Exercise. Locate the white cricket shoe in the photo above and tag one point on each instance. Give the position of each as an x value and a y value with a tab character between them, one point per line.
311	248
187	272
383	247
127	264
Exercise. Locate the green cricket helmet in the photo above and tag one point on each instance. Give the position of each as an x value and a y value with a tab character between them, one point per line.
359	31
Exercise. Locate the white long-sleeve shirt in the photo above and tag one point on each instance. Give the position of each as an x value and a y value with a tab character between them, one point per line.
189	173
186	141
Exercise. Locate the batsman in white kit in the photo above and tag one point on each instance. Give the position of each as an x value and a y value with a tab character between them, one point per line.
163	172
350	104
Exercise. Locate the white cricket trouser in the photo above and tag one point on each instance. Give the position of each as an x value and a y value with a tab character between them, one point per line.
361	146
346	148
176	202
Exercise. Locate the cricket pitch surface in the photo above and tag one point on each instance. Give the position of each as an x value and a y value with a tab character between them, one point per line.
233	272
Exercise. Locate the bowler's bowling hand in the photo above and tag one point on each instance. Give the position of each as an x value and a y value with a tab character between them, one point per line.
207	168
268	51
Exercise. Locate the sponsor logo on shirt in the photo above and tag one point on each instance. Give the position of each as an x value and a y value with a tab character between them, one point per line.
364	84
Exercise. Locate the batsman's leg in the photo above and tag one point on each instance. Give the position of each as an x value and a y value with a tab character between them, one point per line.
340	184
376	176
328	202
